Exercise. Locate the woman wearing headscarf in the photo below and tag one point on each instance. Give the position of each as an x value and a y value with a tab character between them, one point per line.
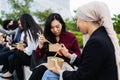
100	56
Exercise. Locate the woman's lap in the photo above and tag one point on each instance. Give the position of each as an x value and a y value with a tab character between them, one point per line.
49	75
4	57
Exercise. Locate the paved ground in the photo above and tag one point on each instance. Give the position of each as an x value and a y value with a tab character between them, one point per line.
15	77
27	74
1	74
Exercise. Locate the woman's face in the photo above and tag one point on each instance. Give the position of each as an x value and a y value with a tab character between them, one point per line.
10	24
56	27
20	25
82	25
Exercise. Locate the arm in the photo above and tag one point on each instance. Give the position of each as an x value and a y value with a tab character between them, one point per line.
7	32
90	65
31	45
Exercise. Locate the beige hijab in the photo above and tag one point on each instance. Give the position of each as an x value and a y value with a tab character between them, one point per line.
98	11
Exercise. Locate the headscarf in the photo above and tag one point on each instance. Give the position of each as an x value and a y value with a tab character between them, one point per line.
99	11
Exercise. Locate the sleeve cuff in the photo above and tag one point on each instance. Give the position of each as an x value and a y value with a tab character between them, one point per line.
73	57
61	75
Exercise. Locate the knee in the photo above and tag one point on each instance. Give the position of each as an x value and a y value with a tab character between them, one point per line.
10	58
51	75
48	72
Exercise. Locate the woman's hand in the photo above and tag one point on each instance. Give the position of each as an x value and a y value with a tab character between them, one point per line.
41	40
56	68
64	51
20	47
8	38
1	39
9	46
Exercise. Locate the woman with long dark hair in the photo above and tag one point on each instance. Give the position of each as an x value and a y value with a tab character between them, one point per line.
54	32
22	55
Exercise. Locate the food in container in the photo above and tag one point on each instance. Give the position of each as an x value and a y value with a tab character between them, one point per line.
51	61
20	45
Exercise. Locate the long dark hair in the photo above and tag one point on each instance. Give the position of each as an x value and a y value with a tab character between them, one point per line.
14	26
5	23
47	32
9	27
28	23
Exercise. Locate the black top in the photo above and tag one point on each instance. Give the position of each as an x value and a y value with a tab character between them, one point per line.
97	61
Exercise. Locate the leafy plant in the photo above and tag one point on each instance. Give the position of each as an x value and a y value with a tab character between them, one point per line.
79	38
116	23
18	7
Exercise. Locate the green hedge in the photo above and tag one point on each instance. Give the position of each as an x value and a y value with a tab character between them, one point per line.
80	41
79	38
118	35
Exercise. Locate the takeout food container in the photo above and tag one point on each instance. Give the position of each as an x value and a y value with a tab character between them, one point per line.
54	47
3	35
51	61
1	40
20	45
